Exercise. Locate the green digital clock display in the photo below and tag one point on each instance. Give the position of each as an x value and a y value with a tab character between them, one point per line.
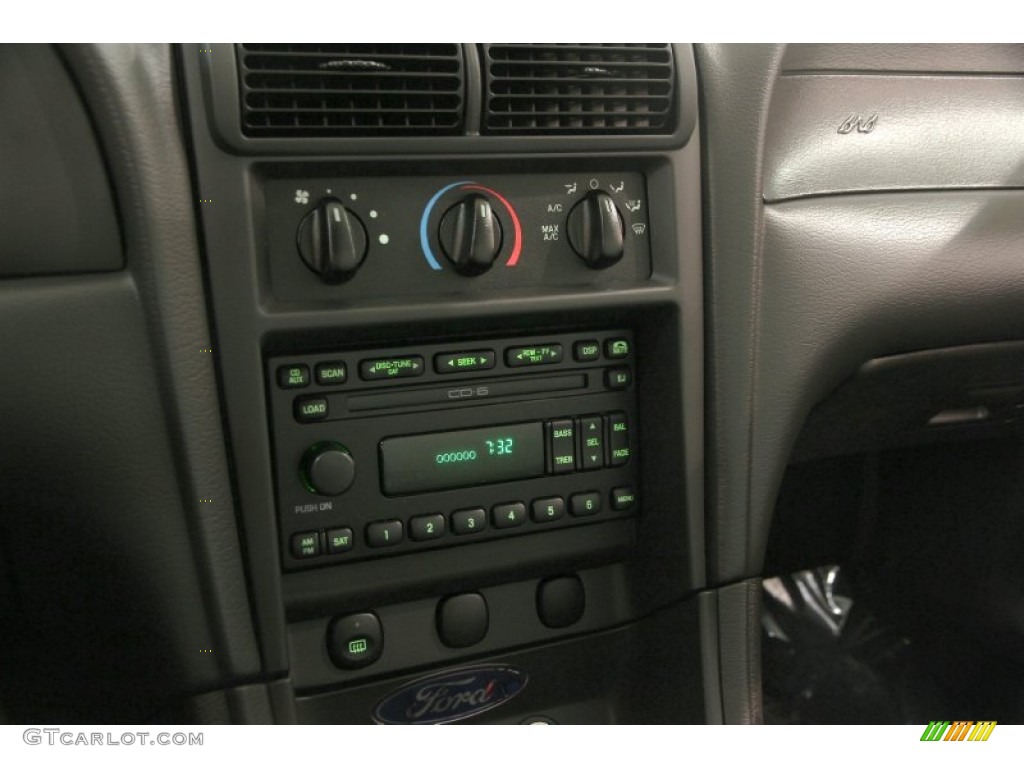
416	463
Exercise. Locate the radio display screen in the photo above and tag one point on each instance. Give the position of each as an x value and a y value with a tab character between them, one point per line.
468	457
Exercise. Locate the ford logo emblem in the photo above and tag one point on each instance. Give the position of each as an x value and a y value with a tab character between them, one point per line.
450	696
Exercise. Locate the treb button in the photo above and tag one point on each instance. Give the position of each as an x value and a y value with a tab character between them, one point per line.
562	445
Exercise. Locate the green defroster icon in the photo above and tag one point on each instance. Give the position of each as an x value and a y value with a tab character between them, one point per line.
357	646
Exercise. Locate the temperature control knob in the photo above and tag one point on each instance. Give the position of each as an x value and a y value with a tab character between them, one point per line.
470	235
595	230
328	469
332	241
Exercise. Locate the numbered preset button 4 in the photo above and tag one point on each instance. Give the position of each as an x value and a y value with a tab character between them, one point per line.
510	515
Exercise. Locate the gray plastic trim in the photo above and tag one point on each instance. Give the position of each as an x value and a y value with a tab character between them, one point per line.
220	91
830	134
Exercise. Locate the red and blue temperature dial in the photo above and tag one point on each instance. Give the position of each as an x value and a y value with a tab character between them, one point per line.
472	232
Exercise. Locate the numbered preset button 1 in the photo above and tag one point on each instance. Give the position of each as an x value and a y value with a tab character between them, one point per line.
508	515
427	527
385	533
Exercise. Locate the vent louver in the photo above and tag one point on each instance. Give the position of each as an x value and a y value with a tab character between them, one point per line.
351	89
605	88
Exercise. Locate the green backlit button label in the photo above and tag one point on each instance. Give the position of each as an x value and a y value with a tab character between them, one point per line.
617	348
593	442
586	351
563	460
331	373
358	646
306	544
620	453
543	354
453	362
623	499
311	409
563	433
293	376
391	368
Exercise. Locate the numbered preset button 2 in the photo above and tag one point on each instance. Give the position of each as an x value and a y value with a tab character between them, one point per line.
427	527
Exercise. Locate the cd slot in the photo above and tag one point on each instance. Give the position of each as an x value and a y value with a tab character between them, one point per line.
465	392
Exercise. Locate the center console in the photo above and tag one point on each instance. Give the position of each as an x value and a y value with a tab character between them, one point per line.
461	365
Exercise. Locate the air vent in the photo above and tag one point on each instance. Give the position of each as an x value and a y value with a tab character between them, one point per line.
587	88
351	89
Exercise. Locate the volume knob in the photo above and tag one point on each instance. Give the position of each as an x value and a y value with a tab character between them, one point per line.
328	469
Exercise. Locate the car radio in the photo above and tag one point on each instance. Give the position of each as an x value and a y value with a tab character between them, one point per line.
383	452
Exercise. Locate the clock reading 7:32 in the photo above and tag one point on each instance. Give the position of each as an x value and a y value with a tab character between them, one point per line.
500	446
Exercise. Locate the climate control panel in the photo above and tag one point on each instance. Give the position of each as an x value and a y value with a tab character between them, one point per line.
353	238
392	451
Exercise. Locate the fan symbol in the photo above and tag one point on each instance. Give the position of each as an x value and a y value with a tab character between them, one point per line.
302	196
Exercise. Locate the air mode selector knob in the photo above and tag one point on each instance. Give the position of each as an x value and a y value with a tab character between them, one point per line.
328	469
595	230
470	235
332	241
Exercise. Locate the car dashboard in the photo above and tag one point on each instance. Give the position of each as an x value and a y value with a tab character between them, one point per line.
486	383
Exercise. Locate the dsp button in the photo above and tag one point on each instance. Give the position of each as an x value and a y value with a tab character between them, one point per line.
454	362
391	368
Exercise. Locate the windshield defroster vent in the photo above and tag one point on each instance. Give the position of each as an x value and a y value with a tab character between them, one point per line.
351	89
602	88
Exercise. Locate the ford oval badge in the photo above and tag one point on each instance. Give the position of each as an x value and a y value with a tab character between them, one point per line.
450	696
